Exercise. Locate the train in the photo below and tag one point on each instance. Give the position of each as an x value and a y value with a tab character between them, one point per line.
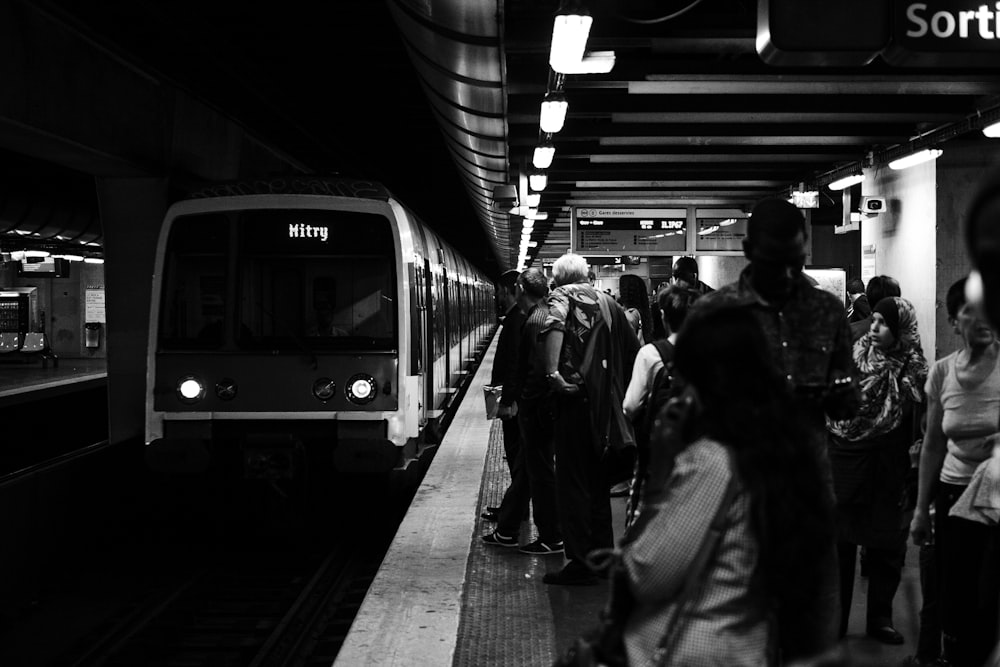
306	323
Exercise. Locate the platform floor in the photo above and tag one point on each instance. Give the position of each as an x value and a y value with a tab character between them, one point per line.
25	381
444	597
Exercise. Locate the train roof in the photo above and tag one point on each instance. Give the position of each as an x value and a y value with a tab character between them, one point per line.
295	185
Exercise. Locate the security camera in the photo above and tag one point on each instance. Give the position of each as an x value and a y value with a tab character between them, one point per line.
504	197
872	205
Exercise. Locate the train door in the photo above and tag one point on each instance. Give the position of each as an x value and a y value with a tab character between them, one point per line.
426	325
446	310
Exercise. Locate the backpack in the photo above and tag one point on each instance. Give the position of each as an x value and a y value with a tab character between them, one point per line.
659	394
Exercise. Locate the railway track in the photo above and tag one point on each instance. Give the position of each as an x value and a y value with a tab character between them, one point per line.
263	609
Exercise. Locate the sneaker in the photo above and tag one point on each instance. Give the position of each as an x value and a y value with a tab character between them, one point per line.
500	540
539	548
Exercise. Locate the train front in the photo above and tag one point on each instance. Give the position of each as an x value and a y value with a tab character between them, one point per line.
275	338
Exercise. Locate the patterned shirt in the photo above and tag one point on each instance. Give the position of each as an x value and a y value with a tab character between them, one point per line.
809	338
725	622
573	309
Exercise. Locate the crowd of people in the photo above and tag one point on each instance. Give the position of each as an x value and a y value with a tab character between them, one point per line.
768	431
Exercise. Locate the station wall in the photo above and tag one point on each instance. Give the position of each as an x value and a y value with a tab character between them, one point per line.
904	238
63	302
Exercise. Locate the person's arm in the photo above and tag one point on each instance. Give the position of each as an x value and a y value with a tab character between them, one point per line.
842	395
932	453
637	392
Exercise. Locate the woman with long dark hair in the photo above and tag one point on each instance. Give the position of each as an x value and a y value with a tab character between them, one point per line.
743	459
634	298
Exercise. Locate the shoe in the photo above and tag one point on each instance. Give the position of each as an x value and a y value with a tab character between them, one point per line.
620	490
490	508
539	548
571	575
489	515
500	540
885	634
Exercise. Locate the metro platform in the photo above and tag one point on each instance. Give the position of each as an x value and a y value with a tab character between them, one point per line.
443	597
23	382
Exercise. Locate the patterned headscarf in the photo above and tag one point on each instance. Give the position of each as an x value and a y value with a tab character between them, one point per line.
887	378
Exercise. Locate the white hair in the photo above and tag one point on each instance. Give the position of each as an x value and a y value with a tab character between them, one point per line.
570	268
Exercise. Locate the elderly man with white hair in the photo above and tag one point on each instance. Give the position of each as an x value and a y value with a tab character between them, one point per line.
589	351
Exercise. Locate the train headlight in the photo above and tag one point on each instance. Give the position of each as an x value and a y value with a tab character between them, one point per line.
361	389
324	389
226	389
190	389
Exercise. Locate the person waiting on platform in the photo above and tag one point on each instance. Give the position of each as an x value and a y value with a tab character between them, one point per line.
634	299
859	308
879	287
685	274
869	455
588	390
808	334
714	584
649	387
963	410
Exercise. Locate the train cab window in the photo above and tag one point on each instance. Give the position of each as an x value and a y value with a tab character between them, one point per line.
281	281
193	306
321	279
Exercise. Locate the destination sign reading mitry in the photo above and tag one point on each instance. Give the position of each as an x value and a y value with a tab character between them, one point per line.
629	230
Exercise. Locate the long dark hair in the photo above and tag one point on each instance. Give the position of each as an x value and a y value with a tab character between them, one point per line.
747	406
632	294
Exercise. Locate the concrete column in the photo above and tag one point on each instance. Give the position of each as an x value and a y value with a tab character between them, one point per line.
904	237
132	211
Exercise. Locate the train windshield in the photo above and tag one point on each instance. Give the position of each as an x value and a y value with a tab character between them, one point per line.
279	281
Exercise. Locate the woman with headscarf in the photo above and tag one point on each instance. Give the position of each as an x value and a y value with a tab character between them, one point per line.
869	454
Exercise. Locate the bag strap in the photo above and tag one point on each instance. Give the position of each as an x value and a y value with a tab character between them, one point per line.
588	352
699	567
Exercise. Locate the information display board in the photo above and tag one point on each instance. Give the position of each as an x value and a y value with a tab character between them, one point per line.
618	231
720	229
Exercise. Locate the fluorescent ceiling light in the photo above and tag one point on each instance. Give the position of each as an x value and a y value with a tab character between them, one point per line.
542	158
569	39
533	200
846	181
93	260
527	224
70	258
919	157
709	230
595	62
992	131
36	253
553	114
538	181
535	215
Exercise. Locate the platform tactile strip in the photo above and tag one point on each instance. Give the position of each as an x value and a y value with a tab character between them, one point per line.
506	616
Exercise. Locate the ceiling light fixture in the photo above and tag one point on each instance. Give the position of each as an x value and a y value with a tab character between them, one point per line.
553	114
992	131
538	180
569	41
846	181
913	159
543	155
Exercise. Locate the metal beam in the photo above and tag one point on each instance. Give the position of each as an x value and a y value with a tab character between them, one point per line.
721	140
868	117
794	84
715	158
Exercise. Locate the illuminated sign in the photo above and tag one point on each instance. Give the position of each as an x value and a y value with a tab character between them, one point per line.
303	231
625	230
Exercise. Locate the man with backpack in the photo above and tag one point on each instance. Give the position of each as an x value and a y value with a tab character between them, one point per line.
589	349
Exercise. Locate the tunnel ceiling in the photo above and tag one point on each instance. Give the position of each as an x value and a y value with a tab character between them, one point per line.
440	99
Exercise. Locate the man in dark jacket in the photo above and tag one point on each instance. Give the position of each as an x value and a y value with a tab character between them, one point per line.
811	345
505	363
860	307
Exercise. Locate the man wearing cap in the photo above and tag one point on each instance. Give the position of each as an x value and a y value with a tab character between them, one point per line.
811	344
685	275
